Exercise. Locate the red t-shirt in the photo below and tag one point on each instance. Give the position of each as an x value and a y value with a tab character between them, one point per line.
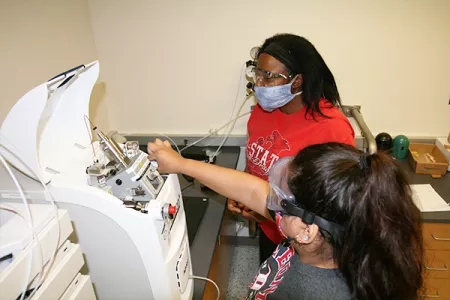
273	135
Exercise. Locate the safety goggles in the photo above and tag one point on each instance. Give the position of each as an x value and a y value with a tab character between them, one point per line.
282	200
278	181
261	74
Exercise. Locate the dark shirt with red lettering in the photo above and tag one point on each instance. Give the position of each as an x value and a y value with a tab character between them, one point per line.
285	276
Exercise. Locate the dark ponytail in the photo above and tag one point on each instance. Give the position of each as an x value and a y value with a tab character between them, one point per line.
381	253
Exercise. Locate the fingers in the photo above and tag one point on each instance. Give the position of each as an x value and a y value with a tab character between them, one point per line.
164	143
231	204
234	209
156	145
152	147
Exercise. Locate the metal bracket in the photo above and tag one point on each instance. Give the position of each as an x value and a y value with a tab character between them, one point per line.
354	111
346	109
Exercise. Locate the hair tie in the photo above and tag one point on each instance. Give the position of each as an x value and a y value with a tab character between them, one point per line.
364	163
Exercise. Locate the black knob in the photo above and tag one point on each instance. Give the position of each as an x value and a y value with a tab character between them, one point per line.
113	172
118	182
384	141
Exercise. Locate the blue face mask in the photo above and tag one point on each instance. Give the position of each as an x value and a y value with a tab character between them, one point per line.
273	97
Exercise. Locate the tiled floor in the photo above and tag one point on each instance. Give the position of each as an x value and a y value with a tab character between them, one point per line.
244	266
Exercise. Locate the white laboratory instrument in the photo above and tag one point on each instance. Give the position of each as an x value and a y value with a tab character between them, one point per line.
128	219
18	249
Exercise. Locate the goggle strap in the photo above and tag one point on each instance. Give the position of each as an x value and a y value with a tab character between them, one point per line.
336	230
308	217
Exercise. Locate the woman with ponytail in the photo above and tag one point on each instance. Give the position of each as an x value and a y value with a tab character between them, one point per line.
350	227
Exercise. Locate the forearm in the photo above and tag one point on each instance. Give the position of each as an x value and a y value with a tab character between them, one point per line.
240	186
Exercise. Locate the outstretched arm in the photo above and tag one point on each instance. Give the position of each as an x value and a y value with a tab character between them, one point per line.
244	188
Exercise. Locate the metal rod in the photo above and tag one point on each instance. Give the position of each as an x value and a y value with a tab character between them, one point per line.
367	134
113	148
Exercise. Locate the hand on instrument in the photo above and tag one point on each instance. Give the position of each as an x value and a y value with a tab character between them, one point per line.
169	161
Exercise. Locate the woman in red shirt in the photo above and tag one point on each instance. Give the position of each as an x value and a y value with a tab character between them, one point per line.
298	106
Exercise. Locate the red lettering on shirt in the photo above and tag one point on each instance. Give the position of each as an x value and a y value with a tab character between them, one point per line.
264	152
282	257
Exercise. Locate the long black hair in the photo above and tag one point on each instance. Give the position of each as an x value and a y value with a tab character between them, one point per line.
301	57
381	253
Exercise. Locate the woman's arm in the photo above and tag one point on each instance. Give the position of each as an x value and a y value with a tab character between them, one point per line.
242	187
234	206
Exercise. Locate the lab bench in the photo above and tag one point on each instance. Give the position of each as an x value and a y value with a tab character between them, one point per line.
206	241
442	187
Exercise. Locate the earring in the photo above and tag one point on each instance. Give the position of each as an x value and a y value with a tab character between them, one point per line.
305	238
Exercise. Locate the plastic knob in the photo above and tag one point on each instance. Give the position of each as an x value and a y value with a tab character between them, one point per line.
172	210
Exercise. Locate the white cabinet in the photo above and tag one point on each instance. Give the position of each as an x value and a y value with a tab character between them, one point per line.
17	247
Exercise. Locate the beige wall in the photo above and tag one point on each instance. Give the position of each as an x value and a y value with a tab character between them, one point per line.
40	39
173	66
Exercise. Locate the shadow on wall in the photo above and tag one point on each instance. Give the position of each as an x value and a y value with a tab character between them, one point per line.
98	108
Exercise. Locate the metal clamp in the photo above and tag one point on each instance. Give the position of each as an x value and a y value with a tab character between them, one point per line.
445	268
440	239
